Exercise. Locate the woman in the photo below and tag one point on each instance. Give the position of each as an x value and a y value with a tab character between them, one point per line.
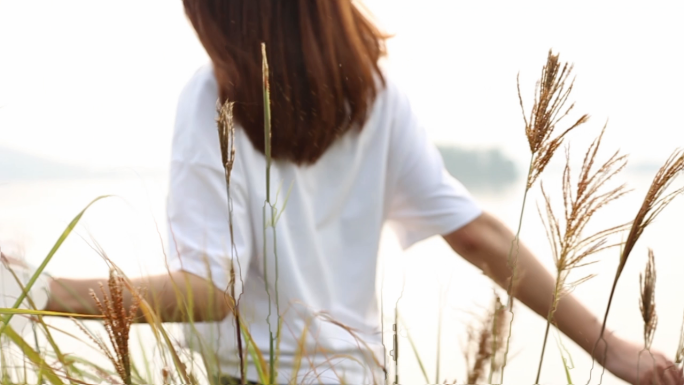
349	156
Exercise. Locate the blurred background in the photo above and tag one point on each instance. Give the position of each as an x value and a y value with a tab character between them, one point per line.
88	92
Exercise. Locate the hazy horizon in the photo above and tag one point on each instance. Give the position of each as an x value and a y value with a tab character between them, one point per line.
102	89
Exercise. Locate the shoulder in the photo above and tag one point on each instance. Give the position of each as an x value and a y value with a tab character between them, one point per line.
195	134
199	89
390	91
392	102
393	107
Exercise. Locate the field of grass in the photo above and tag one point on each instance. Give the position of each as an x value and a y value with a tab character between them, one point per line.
36	357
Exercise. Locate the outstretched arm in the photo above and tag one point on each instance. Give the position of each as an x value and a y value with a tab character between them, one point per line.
485	242
168	293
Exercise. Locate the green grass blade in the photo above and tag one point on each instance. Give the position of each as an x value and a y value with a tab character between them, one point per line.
45	370
148	371
415	351
287	197
14	311
257	357
4	374
300	352
100	370
43	265
563	352
160	333
39	320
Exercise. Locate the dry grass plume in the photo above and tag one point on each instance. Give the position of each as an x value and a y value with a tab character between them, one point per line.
226	131
481	348
581	201
655	201
551	95
117	323
549	108
647	303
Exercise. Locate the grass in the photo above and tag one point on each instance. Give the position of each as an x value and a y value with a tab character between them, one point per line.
38	357
549	109
117	323
571	247
481	348
656	200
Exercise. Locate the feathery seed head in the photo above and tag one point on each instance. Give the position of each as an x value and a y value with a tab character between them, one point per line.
654	202
117	324
551	95
478	352
226	131
581	201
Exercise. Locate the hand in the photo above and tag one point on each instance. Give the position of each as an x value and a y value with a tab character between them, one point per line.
655	368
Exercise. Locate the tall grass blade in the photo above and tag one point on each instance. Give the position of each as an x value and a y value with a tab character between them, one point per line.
414	348
552	92
679	354
258	359
394	353
439	335
14	311
226	129
43	265
267	119
272	215
568	363
653	204
33	356
300	352
102	372
581	201
160	333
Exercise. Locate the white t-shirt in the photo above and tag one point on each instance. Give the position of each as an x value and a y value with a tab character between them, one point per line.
327	236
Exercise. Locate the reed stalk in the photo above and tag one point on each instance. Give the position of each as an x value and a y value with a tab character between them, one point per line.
552	92
414	348
226	128
394	353
439	334
117	323
655	201
270	211
570	247
679	354
65	234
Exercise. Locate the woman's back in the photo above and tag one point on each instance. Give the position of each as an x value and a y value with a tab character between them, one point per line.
329	218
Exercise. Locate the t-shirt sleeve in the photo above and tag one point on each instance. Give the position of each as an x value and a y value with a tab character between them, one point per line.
200	226
425	200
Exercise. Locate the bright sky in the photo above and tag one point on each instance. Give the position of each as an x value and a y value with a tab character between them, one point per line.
95	82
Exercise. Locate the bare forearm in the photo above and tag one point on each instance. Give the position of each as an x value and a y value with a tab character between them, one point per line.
170	296
486	244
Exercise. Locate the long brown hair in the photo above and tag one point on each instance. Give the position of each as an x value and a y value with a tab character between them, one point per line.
323	57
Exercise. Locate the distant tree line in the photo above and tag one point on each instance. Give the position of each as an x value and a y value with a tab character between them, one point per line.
479	169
